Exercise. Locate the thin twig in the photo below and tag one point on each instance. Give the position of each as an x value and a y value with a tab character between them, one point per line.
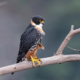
3	3
72	27
73	49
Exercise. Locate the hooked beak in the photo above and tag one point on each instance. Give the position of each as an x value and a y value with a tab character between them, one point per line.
43	22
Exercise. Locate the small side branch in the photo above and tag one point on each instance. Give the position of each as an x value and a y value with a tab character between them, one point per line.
73	49
3	3
67	39
72	27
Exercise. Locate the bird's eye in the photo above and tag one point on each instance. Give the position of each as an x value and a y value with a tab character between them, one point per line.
40	20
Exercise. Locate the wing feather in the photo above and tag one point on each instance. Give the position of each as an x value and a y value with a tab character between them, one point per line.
29	40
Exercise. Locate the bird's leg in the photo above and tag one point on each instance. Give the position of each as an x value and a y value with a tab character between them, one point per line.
35	60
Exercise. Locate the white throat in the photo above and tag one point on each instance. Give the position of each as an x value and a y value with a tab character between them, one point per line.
39	26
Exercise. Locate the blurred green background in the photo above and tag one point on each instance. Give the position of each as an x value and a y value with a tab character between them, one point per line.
59	15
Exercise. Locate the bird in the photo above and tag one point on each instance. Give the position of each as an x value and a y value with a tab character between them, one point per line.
30	41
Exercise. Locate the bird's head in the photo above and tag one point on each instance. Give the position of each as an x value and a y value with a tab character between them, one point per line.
37	21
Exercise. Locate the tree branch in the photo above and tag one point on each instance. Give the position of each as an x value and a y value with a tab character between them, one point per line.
57	58
45	61
3	3
67	39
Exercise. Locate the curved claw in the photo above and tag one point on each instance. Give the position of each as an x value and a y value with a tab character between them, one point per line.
35	60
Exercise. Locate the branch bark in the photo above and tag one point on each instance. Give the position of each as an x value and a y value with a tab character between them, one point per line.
57	58
45	61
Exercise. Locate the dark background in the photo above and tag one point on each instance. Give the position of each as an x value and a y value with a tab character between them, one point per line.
59	15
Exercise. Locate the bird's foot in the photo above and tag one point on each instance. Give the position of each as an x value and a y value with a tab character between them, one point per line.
35	60
38	59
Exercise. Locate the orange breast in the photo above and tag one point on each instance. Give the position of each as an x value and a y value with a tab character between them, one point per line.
40	30
33	53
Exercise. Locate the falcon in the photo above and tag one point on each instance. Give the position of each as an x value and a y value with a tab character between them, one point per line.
30	41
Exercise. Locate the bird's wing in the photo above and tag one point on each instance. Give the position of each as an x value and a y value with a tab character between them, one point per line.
29	40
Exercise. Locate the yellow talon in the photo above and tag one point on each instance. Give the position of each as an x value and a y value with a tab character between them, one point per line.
35	60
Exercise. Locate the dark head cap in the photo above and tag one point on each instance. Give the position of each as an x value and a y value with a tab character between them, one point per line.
38	20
